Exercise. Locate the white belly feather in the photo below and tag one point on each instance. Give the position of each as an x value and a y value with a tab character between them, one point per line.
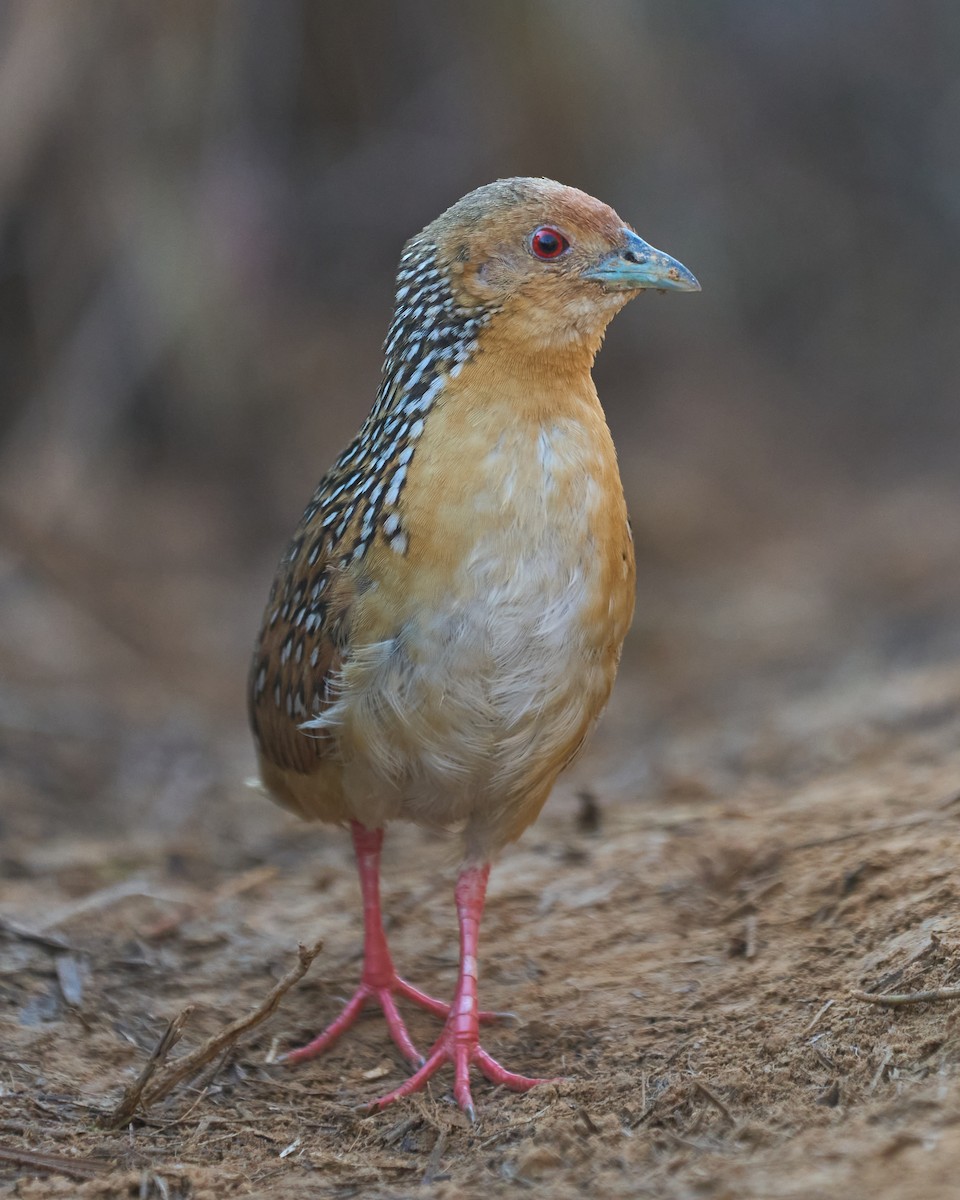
449	722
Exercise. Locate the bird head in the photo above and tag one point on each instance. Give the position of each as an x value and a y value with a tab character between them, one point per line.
549	263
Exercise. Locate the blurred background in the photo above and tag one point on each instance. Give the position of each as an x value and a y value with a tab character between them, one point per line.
202	203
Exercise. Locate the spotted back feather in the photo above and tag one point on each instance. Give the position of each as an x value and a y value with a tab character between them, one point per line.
305	635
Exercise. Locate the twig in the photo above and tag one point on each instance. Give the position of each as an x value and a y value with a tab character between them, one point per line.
136	885
76	1168
433	1162
816	1018
685	1143
884	1063
190	1063
246	882
647	1113
715	1100
70	975
402	1127
49	941
588	1122
750	937
509	1129
132	1094
896	999
184	1067
921	818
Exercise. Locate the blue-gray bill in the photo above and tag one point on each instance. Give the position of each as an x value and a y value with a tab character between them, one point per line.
639	265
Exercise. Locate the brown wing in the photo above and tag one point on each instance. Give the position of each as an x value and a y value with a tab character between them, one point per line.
301	646
306	628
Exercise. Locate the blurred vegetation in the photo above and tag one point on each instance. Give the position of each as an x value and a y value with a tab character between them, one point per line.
202	203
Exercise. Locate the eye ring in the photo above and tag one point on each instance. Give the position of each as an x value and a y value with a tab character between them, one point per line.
548	243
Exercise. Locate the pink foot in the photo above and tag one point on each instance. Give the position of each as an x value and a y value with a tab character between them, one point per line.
459	1043
379	982
451	1049
382	994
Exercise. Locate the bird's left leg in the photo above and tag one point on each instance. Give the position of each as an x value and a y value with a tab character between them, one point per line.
459	1043
379	980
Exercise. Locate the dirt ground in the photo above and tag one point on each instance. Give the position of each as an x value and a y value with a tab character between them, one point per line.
765	823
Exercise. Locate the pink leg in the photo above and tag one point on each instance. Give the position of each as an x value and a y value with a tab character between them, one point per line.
459	1043
379	981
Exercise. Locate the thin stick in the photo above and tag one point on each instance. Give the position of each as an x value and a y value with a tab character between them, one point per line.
715	1101
190	1063
867	830
509	1129
589	1123
433	1162
48	940
246	882
895	999
750	937
184	1067
132	1094
404	1126
76	1168
884	1063
815	1020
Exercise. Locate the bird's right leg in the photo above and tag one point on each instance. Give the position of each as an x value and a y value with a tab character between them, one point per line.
379	980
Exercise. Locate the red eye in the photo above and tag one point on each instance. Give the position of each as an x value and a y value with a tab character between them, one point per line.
548	242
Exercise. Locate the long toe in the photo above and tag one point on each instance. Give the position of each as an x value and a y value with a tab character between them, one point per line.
323	1041
508	1079
461	1054
439	1008
397	1027
365	993
417	1081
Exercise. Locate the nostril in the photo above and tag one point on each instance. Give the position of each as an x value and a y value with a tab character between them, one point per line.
634	256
